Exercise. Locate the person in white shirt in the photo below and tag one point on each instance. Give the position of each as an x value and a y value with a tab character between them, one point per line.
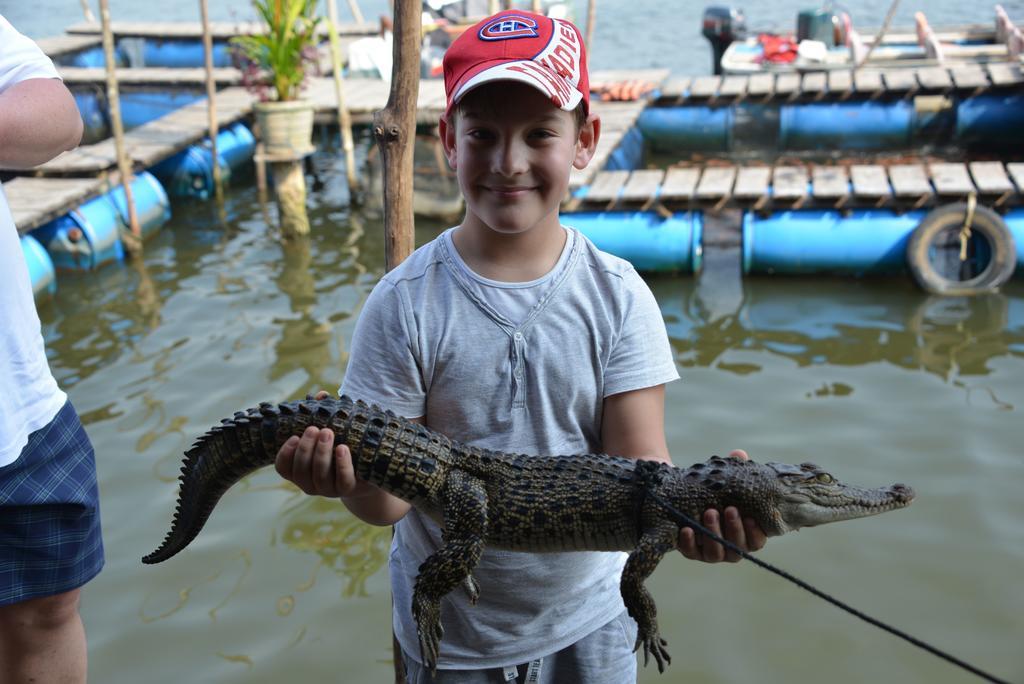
50	540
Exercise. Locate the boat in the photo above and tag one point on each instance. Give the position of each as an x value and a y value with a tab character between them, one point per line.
826	39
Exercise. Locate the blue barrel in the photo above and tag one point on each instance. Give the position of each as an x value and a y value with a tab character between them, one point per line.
846	126
182	53
628	154
190	172
40	267
93	110
92	58
84	239
140	106
236	145
687	128
991	120
89	236
816	241
1015	222
152	207
646	239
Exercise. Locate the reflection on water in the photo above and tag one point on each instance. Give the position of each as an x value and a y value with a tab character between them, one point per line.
871	377
185	593
304	341
845	324
352	550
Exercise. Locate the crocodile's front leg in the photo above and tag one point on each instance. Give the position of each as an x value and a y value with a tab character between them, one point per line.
654	544
464	509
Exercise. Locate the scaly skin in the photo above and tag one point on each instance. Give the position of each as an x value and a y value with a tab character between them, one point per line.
589	502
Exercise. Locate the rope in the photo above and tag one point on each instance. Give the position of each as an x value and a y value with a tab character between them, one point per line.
682	519
965	231
881	33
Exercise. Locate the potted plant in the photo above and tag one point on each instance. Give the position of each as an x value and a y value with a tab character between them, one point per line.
274	67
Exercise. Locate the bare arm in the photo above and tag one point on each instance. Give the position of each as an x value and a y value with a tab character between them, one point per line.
634	425
318	469
38	121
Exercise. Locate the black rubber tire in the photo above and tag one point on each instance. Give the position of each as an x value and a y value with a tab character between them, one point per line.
987	225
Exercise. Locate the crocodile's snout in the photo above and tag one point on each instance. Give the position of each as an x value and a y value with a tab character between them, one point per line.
902	493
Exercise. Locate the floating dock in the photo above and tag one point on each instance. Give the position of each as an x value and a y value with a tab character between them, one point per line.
785	187
786	144
840	84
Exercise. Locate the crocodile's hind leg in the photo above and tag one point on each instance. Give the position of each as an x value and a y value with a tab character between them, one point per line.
465	529
653	545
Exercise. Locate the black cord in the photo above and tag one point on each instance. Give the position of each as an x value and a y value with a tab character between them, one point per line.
685	520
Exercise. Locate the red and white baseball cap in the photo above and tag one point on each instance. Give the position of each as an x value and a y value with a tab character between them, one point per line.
516	45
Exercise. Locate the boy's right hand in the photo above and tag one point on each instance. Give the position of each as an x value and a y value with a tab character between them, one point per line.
317	467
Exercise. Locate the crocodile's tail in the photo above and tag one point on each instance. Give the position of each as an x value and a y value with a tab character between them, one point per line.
219	459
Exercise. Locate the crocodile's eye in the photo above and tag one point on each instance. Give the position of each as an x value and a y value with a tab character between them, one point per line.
825	478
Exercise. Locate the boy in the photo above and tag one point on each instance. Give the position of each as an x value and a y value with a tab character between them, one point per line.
512	332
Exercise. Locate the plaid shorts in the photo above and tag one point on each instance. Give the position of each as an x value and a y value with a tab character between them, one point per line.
50	538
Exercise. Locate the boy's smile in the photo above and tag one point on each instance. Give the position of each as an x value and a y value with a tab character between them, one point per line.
513	151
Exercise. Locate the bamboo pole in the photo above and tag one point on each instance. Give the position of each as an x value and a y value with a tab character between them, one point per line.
353	6
344	120
87	11
133	239
394	127
211	100
591	17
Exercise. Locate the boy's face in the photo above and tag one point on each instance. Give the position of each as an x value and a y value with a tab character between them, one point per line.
513	151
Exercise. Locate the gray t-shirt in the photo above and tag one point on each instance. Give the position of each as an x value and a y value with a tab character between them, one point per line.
427	344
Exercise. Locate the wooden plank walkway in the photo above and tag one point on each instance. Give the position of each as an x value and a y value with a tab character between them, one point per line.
752	181
842	84
909	180
364	96
902	186
789	182
617	118
150	76
220	30
681	183
829	182
154	141
58	46
35	201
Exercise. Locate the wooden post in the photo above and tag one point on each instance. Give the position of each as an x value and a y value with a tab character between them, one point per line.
591	16
394	127
132	240
211	100
353	6
344	120
290	188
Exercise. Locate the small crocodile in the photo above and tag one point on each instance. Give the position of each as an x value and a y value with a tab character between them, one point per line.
516	502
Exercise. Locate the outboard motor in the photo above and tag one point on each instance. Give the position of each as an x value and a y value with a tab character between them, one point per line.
721	26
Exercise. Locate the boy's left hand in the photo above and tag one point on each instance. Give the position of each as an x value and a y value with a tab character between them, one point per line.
744	533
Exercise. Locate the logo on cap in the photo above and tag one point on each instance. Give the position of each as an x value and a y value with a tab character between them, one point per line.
509	26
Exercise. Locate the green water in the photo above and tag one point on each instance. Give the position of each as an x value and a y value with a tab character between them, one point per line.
871	379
